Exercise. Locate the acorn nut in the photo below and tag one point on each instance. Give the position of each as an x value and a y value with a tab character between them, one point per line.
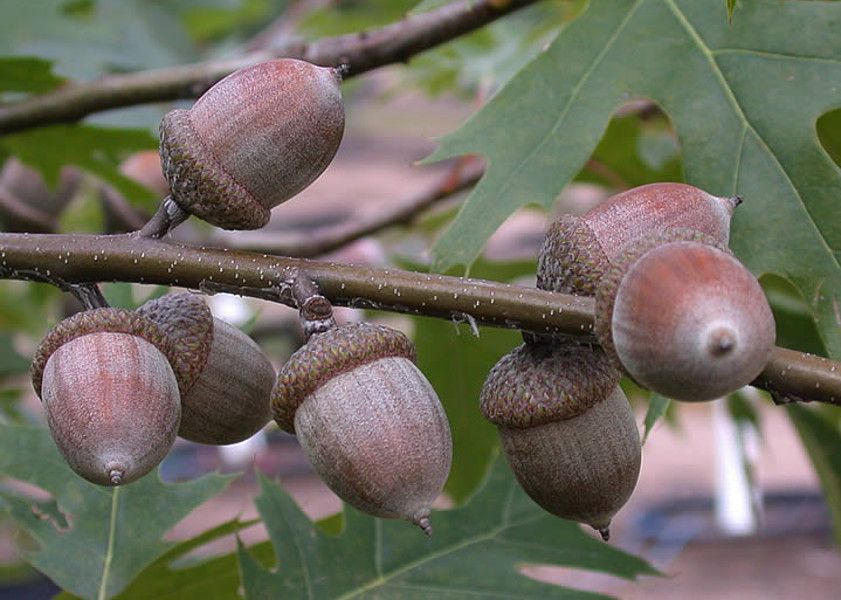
253	140
684	317
110	393
228	379
368	419
578	250
566	429
29	204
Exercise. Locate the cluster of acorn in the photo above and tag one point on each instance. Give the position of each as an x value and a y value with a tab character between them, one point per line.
118	386
675	311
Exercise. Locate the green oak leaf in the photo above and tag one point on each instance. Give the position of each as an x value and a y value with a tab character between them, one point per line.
821	436
743	98
98	150
634	152
456	362
10	361
476	551
657	407
91	540
174	576
27	74
88	39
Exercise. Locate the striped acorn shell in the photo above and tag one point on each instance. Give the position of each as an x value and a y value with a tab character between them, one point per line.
566	429
110	394
229	378
369	421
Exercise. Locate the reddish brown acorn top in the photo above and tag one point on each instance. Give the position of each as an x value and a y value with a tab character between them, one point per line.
578	250
684	317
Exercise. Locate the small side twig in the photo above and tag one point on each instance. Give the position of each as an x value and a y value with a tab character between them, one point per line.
465	173
314	310
88	294
168	216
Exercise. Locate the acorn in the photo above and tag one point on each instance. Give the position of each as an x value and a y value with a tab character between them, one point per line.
370	422
684	317
566	429
27	204
578	250
109	384
253	140
228	379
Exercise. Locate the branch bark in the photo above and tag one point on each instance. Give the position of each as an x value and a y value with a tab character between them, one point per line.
82	259
361	52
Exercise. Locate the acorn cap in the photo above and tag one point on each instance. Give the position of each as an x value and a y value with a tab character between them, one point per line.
253	140
328	354
199	184
187	321
115	320
571	260
537	384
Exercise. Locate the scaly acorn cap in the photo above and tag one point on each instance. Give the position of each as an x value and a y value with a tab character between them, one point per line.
114	320
229	377
566	429
325	355
683	317
571	259
252	141
187	321
519	391
577	251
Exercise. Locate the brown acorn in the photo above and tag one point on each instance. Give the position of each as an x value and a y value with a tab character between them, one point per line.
578	250
253	140
567	430
27	204
368	419
684	317
110	393
228	381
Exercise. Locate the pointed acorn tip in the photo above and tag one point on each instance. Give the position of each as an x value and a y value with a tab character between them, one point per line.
342	71
721	341
116	476
605	533
421	519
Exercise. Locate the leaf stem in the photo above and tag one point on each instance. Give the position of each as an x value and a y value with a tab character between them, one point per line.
109	553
